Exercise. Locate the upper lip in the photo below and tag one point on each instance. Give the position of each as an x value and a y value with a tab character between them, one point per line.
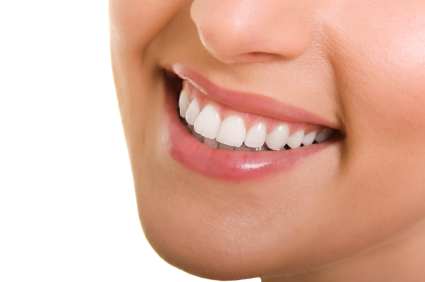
248	102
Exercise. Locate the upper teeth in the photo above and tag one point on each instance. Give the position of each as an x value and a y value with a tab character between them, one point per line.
183	103
277	138
232	131
208	122
308	139
192	112
294	141
323	134
256	136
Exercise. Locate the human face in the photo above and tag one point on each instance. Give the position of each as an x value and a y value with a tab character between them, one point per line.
357	67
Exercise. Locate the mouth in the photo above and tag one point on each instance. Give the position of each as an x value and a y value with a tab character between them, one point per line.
236	136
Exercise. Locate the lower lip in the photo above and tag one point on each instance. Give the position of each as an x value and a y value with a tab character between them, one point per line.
224	164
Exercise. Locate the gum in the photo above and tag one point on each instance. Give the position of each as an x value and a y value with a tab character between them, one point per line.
250	119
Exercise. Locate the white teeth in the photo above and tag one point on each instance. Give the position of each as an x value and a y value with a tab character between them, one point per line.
232	131
208	122
231	134
309	138
225	147
277	138
295	140
256	136
183	102
323	134
211	143
192	112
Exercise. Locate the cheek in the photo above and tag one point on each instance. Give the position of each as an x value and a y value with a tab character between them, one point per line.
134	23
380	67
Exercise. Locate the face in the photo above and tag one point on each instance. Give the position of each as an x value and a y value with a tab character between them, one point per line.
227	202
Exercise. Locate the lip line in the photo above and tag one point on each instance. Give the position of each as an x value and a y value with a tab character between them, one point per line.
248	102
224	164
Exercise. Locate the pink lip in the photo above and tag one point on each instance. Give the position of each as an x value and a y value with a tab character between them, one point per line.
248	102
223	164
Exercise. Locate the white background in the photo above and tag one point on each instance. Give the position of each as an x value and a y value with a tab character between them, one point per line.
67	206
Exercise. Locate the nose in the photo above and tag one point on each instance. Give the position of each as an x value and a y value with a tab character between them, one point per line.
238	31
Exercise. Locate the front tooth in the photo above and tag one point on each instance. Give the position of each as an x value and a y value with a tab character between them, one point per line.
294	141
192	112
309	138
208	122
323	134
277	138
183	102
232	131
256	136
211	143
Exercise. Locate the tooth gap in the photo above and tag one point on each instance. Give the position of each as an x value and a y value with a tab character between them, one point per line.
190	128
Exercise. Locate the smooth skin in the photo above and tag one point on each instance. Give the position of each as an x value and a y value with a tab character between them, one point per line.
352	212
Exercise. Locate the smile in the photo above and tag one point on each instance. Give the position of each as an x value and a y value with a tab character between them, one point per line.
209	132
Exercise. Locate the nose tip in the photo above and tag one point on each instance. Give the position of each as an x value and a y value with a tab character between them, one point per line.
251	30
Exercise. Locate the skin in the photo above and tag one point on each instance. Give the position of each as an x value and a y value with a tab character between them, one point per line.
352	212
